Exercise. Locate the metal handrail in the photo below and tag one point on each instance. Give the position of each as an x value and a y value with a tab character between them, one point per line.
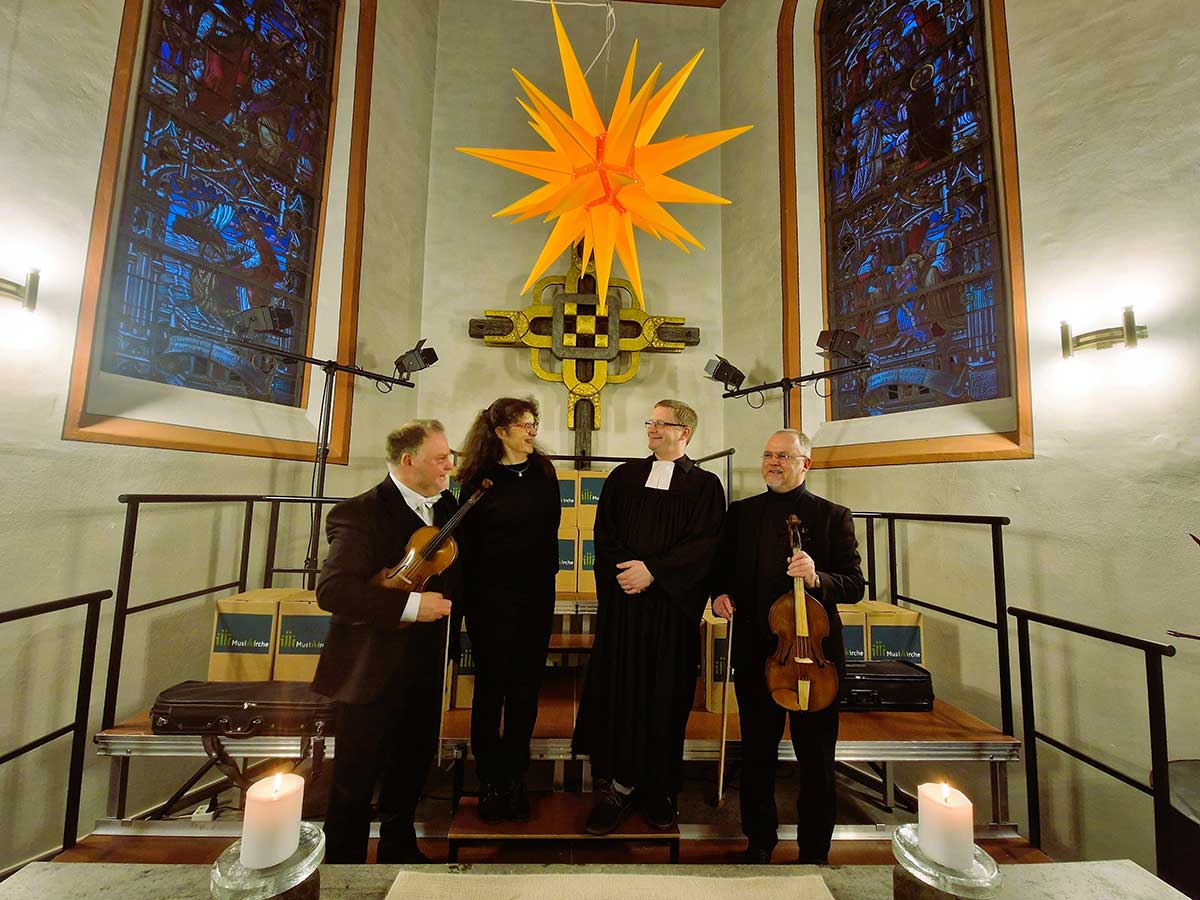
122	610
996	524
83	697
1159	786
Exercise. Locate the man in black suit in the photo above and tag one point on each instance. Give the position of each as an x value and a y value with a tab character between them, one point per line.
382	661
754	567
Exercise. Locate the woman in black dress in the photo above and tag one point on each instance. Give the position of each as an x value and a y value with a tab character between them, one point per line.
510	559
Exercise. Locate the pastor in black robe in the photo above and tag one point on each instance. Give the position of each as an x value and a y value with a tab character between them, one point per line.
641	681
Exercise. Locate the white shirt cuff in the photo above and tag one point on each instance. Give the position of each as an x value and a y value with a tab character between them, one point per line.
412	607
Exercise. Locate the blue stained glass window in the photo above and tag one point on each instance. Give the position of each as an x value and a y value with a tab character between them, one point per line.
218	222
913	250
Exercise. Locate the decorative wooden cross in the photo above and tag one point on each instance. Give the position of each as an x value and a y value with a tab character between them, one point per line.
592	350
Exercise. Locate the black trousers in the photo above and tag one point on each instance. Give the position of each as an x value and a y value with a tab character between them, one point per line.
510	662
814	736
390	742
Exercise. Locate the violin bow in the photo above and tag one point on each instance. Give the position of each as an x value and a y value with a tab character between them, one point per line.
724	712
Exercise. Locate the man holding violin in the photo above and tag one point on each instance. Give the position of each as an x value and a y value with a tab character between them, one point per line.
754	567
382	661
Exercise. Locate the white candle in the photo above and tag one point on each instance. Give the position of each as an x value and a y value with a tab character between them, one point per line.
271	825
945	825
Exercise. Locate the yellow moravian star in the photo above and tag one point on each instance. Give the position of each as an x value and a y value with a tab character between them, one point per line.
602	180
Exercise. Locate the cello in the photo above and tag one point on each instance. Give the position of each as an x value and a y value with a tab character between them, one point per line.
799	676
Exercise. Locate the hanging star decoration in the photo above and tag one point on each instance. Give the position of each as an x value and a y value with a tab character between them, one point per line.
602	180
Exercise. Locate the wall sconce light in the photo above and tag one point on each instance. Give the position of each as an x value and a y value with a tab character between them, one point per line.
1127	333
25	293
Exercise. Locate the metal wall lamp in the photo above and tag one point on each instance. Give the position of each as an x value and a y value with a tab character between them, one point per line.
25	294
1127	333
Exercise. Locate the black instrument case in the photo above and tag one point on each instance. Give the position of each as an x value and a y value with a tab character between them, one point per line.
242	709
886	685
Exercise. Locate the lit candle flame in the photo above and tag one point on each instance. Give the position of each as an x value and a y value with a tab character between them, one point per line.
945	791
279	781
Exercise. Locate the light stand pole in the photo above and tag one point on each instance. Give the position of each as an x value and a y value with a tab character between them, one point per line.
330	367
788	383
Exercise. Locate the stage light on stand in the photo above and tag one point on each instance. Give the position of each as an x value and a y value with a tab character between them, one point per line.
839	343
419	357
277	320
722	370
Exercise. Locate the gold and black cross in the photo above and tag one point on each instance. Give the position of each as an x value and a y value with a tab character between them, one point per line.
563	326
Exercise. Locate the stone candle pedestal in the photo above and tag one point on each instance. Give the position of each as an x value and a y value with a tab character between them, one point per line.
917	877
296	878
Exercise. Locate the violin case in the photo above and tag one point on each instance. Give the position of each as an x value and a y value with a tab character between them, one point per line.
892	685
243	709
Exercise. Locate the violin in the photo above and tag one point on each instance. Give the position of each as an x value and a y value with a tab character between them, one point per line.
799	676
429	552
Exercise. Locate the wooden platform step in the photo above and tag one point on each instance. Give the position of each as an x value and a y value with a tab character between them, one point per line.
555	817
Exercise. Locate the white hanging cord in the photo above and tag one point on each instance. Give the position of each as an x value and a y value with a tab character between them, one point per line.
610	28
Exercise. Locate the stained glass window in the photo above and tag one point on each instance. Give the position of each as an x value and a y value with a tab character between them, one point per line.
913	255
218	222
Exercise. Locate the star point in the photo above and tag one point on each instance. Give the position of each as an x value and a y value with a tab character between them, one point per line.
604	179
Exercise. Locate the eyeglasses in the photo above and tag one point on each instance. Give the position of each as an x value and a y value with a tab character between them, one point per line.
659	423
782	457
530	427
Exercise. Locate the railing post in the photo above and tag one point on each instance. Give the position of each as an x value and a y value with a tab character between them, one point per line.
871	557
893	589
1160	778
120	606
83	702
272	539
247	528
1029	735
728	479
1002	651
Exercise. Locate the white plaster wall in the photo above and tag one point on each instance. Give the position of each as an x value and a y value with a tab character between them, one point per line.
1105	95
60	523
751	253
474	262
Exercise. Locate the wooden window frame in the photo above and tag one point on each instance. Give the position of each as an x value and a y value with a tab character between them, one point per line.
1015	444
79	424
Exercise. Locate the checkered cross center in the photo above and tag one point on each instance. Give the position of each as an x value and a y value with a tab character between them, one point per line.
582	327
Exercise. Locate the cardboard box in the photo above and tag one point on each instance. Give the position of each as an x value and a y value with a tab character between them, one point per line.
568	561
464	678
893	632
303	628
716	636
590	486
854	631
243	639
587	561
568	497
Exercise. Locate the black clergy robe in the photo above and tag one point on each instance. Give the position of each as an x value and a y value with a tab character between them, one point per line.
641	680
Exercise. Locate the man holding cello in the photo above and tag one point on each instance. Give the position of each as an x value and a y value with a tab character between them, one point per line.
759	565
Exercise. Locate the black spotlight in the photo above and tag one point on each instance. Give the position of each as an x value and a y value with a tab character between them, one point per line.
842	344
720	369
419	357
263	320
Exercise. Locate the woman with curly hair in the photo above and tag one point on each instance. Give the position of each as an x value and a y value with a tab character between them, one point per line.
510	558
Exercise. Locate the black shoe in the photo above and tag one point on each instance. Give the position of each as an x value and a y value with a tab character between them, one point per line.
756	856
610	809
658	810
518	800
407	855
493	804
